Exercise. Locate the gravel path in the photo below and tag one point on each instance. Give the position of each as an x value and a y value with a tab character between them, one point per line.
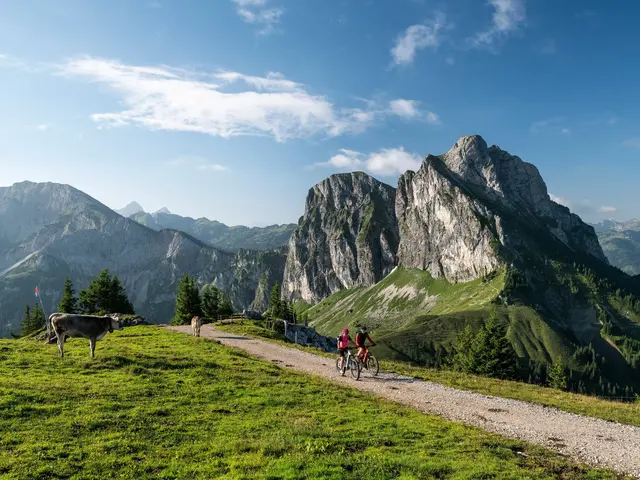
590	440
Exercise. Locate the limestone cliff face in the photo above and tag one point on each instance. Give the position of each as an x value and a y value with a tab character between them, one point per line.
348	236
465	213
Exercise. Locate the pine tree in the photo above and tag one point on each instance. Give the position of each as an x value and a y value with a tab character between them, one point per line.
33	320
493	353
105	295
226	307
69	303
488	353
275	305
557	376
211	302
188	302
25	325
462	359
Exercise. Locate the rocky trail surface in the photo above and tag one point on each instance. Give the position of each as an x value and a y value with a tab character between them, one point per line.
590	440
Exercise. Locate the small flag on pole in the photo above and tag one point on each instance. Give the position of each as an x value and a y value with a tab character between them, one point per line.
36	291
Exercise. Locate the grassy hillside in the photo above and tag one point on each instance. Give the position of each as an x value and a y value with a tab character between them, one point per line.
416	318
158	404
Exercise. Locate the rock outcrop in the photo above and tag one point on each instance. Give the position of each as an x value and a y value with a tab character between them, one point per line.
465	213
348	236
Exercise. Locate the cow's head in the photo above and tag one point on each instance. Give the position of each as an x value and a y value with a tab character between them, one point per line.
115	322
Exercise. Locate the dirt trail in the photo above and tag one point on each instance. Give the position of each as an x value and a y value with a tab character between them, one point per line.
594	441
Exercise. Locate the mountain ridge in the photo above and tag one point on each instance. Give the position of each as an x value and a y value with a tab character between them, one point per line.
51	231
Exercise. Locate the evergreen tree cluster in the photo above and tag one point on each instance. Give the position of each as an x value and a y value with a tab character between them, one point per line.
105	294
488	352
189	302
281	308
33	320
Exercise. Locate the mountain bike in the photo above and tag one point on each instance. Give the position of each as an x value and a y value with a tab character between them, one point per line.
371	364
350	363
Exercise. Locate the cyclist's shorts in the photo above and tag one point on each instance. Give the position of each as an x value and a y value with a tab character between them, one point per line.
342	352
361	346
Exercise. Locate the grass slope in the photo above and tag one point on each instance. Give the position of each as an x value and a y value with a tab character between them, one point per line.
156	404
411	313
416	318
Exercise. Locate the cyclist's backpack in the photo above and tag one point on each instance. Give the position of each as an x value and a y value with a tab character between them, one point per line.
343	341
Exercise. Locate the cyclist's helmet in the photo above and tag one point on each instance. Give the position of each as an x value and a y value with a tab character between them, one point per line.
364	329
345	331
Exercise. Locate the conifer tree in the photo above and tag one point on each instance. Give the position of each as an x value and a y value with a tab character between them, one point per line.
557	376
188	302
211	302
226	307
275	305
69	303
105	294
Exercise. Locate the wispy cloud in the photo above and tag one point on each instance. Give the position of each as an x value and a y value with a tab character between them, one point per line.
42	127
418	37
547	47
606	209
583	207
385	162
257	12
410	109
560	200
225	104
197	163
554	124
508	16
632	142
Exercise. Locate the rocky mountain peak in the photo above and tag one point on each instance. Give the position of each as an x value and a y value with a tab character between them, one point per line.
347	236
464	212
131	209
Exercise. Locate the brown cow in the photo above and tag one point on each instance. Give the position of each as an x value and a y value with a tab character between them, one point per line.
84	326
196	324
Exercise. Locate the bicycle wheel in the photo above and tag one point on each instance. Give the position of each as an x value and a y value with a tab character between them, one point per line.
354	366
373	366
338	365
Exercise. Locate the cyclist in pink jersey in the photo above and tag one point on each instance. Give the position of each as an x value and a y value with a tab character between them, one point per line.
343	346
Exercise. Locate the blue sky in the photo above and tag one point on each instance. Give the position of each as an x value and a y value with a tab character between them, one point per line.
232	109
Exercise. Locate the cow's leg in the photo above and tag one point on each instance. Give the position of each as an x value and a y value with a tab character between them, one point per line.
92	345
60	344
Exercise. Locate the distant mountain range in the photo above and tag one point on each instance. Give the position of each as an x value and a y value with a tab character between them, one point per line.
621	243
50	231
212	232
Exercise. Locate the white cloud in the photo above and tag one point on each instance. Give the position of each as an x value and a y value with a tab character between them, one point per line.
606	209
450	61
508	15
560	200
43	127
165	98
418	37
196	162
583	207
553	124
386	162
409	109
632	142
256	12
405	108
